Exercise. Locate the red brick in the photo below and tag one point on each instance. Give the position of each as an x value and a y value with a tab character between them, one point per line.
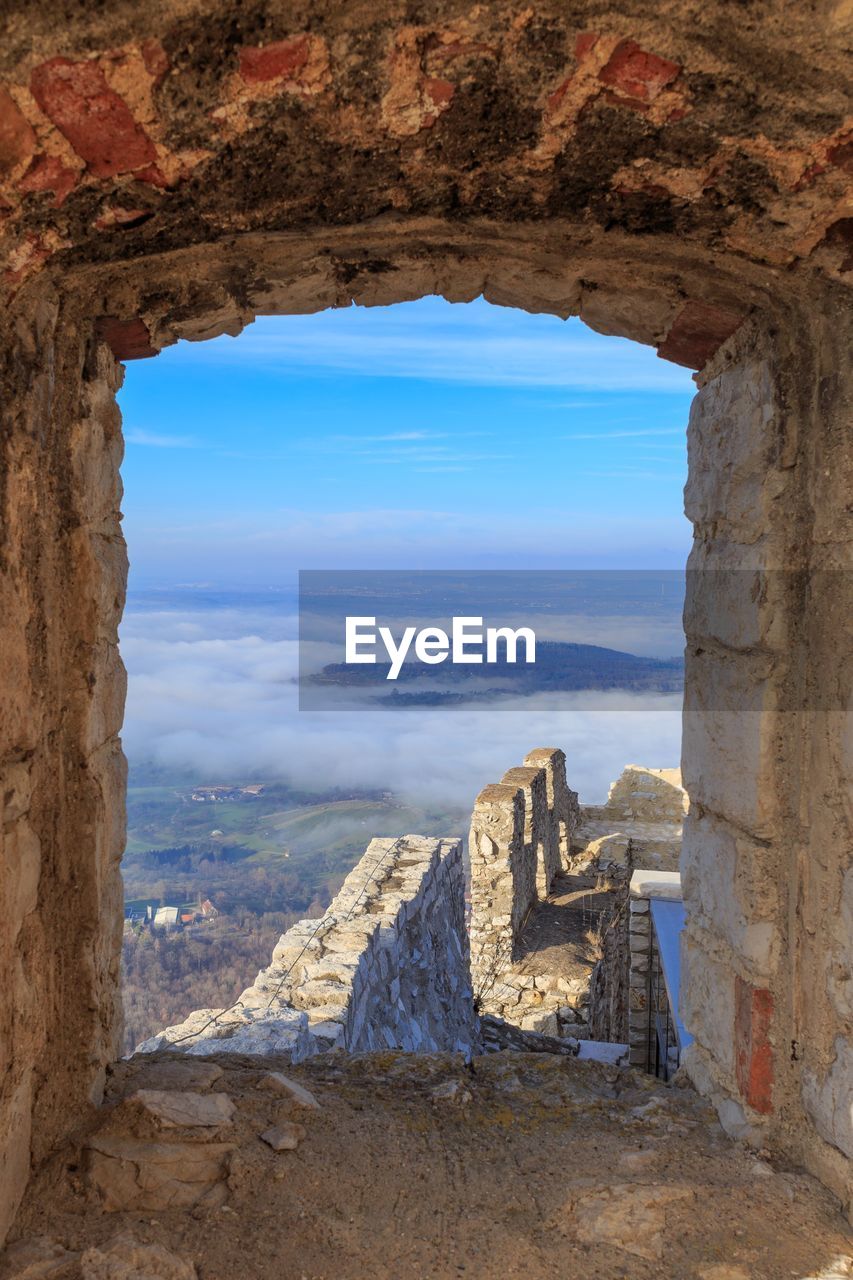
48	173
698	330
584	43
127	339
753	1050
439	92
282	60
637	73
841	155
95	120
17	139
619	100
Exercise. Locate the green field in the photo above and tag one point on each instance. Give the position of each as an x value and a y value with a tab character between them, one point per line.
277	851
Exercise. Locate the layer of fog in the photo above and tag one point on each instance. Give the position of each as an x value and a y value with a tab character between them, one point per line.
212	693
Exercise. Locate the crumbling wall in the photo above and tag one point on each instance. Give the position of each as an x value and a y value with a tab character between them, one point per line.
641	824
610	979
521	831
563	812
518	829
387	967
62	777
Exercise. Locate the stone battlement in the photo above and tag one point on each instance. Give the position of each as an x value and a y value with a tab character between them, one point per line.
521	831
386	967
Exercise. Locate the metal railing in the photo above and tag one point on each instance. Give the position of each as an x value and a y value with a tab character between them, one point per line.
667	1036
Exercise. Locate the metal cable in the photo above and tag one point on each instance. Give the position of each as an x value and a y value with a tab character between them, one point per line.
324	919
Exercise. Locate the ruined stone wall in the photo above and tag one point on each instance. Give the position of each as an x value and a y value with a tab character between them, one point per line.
62	576
767	846
520	832
768	840
387	967
641	824
610	979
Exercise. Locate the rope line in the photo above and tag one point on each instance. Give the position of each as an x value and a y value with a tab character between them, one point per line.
395	846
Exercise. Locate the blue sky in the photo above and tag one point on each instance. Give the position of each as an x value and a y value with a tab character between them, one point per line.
421	435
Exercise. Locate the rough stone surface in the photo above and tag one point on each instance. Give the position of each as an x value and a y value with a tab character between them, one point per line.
487	1150
285	1136
127	1258
172	1109
275	1082
629	1217
537	931
651	123
521	831
641	824
386	967
609	984
767	840
129	1173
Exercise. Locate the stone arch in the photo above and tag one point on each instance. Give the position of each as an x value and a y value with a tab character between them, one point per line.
575	189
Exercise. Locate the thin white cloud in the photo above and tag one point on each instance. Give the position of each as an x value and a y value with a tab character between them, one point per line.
260	546
153	440
437	470
624	435
629	473
483	346
394	437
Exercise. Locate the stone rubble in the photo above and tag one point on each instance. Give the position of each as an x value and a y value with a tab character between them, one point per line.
285	1136
174	1110
626	1216
124	1257
130	1173
296	1093
403	1139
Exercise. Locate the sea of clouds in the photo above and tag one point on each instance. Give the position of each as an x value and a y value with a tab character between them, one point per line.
212	693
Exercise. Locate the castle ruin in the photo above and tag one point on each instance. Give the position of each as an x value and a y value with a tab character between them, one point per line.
677	176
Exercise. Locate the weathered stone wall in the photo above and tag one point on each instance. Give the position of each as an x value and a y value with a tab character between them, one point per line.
766	747
139	129
518	828
387	967
764	758
521	832
641	824
562	808
610	979
62	575
645	885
